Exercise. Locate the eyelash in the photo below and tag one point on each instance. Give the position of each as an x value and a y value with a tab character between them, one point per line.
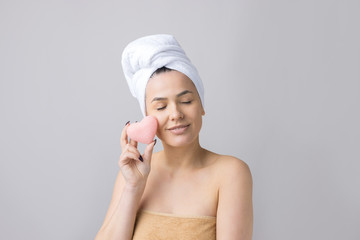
159	109
162	108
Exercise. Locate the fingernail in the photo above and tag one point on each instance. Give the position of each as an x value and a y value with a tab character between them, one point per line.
141	158
127	123
155	142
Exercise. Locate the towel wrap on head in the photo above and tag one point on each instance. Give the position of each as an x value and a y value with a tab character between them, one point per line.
142	57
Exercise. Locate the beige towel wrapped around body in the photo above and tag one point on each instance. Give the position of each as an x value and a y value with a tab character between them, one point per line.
162	226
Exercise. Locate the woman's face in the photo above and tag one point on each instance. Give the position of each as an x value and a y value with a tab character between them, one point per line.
173	99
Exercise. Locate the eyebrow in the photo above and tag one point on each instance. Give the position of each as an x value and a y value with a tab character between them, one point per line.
177	95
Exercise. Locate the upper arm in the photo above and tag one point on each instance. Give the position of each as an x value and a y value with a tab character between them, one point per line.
116	195
235	210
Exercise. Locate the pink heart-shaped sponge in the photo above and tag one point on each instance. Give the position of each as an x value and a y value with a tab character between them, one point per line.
143	131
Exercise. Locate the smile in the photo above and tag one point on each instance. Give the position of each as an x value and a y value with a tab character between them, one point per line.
179	129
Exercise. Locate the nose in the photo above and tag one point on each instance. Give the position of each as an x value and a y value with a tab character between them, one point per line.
175	113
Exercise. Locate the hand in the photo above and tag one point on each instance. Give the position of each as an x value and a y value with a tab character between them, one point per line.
132	168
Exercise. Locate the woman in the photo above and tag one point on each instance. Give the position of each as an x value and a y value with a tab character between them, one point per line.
184	191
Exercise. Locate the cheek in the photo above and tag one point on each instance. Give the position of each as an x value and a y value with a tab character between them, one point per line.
161	121
161	127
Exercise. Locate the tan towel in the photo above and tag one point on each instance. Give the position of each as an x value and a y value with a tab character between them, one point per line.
162	226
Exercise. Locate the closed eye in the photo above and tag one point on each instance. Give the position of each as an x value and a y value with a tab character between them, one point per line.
161	108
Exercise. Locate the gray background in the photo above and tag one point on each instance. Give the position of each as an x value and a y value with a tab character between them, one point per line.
282	85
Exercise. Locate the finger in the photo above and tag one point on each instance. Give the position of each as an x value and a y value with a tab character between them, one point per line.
123	138
133	143
148	152
128	157
132	149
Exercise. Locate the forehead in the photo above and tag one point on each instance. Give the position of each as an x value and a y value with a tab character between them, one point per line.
168	83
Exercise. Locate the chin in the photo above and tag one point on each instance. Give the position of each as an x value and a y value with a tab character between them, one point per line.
179	141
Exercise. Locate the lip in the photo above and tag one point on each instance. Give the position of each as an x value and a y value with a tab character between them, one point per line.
179	129
179	126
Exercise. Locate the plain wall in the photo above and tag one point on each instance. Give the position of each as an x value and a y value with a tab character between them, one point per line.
282	93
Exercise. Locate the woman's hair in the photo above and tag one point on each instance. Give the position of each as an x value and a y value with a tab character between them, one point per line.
160	70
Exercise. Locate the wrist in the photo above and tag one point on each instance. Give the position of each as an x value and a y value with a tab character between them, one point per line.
135	188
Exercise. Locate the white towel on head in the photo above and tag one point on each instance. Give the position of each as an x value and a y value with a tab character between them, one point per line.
142	57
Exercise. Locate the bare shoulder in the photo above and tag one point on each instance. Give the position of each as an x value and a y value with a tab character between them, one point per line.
230	169
228	161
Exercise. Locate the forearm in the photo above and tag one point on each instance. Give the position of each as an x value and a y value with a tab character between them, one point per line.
120	225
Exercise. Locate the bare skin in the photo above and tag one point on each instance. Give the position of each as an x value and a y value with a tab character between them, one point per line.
184	178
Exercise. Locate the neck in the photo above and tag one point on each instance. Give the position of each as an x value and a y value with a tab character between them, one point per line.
185	157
